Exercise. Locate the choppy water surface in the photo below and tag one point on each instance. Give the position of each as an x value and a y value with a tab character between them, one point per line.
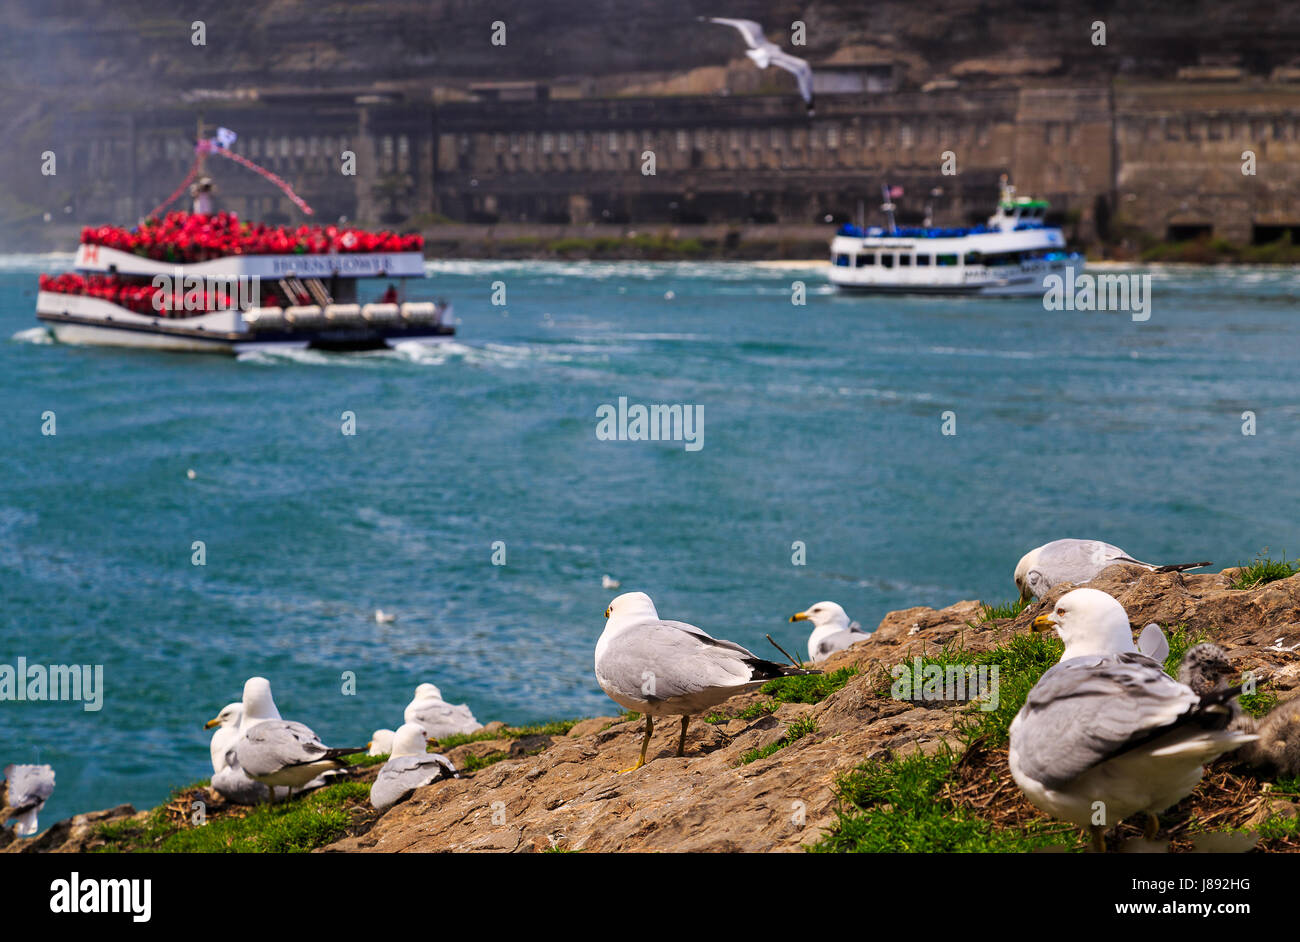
821	425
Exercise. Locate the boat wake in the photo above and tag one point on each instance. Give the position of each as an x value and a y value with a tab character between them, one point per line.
33	335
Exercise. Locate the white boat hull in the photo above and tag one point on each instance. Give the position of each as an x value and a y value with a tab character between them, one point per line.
83	320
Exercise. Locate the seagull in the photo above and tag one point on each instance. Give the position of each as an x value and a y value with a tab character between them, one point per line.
439	718
1106	733
191	474
410	766
669	668
383	617
22	795
230	781
381	743
609	582
1206	667
275	751
1075	561
832	630
766	53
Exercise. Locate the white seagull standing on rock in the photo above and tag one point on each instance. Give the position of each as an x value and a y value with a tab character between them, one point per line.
832	630
765	53
669	668
275	751
22	795
1106	733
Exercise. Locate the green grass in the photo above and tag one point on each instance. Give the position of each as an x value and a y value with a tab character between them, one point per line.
1260	702
895	804
472	763
295	826
1181	640
1005	610
806	688
796	730
1263	571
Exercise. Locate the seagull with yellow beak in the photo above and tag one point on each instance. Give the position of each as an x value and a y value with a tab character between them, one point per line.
832	630
1106	733
670	668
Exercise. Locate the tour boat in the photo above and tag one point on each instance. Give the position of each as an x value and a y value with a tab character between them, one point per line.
1010	255
206	281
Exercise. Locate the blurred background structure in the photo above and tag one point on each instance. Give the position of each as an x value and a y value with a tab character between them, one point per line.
1140	138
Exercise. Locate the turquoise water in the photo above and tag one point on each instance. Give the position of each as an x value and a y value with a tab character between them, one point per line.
821	425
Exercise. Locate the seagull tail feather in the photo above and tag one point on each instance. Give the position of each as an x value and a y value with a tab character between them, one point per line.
1181	567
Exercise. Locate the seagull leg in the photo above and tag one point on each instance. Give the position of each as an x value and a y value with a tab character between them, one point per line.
1152	828
681	743
1098	839
645	742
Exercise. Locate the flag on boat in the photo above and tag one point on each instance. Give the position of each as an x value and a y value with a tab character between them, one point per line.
895	192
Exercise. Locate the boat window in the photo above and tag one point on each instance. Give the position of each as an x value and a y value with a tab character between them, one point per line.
945	259
922	259
887	259
904	260
974	258
868	258
841	260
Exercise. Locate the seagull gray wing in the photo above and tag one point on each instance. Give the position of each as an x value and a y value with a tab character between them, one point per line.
837	642
660	660
1089	709
441	719
273	745
799	68
752	31
29	785
402	775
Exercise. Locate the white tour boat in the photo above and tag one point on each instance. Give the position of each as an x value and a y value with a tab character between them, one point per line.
206	281
1011	255
218	305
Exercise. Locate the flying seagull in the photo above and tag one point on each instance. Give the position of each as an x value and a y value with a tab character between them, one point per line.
766	53
669	668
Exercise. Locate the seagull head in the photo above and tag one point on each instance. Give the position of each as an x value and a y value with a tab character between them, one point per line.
258	703
409	740
381	742
1029	580
229	716
631	606
1206	668
1089	622
824	615
427	692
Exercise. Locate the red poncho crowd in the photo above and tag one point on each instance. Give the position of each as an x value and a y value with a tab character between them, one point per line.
136	297
192	237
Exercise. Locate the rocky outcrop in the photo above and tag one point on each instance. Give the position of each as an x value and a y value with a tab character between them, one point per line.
570	796
541	793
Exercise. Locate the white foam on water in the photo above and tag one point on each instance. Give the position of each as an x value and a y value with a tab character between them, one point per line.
40	335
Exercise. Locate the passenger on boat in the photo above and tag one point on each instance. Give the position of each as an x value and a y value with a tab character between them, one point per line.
390	296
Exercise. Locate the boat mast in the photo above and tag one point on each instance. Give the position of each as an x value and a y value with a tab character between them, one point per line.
888	207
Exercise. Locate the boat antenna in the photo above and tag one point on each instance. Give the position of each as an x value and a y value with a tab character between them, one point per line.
888	207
